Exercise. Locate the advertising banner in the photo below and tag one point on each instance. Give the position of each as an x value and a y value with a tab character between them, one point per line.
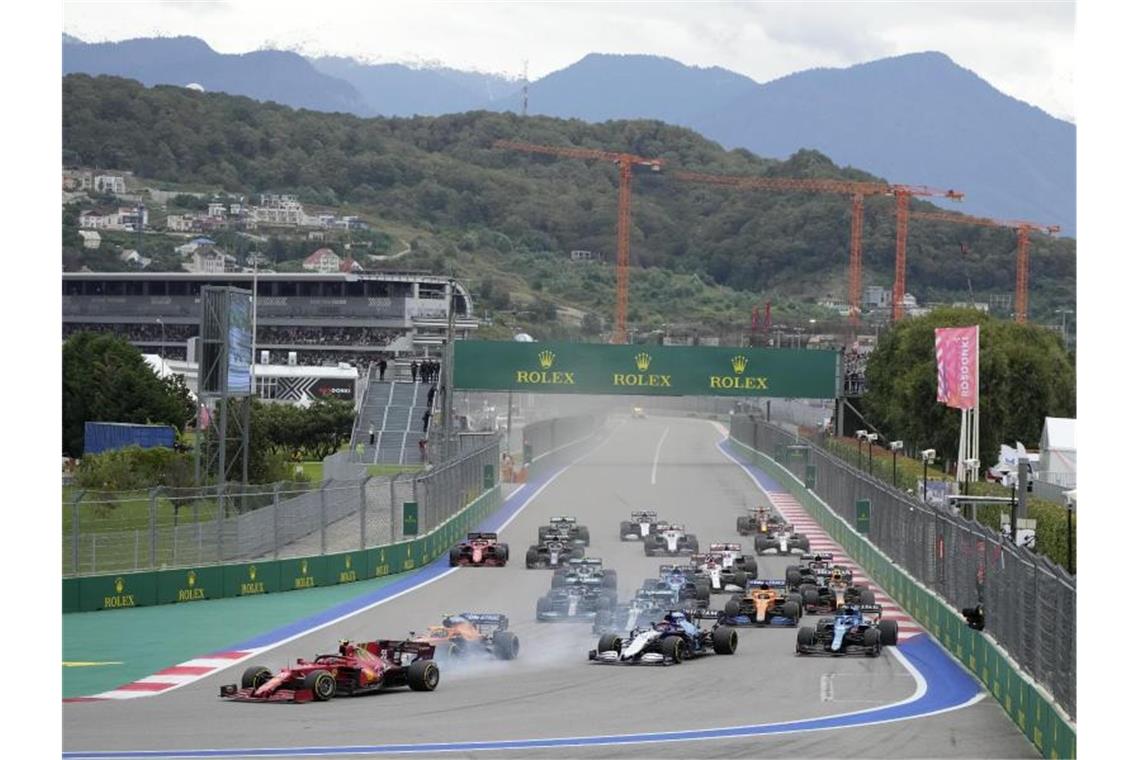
239	343
652	370
956	354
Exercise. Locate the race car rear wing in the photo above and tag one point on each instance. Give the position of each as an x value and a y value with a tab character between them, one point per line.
481	536
725	547
663	569
585	561
481	619
771	583
644	514
823	556
563	519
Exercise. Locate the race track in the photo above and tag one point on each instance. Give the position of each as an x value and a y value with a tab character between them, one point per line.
551	690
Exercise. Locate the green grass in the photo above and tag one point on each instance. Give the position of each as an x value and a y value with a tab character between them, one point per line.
314	471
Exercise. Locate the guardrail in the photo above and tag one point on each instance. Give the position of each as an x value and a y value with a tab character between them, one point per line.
943	551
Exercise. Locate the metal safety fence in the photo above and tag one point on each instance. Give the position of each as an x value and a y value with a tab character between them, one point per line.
1029	602
107	532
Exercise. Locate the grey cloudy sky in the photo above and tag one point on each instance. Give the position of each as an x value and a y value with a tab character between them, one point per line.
1025	49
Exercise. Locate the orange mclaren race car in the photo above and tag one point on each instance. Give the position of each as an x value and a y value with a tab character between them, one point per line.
471	633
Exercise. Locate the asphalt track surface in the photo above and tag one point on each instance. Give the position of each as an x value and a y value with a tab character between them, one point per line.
551	690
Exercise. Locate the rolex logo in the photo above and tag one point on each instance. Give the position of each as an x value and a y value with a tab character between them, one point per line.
546	359
191	578
739	362
642	361
253	572
347	561
304	567
119	585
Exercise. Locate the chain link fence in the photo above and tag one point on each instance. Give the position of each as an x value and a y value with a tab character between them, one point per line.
166	527
1030	603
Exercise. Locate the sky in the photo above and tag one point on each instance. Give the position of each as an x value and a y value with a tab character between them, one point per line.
1025	49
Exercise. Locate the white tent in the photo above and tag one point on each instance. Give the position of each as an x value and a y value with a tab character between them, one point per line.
1059	452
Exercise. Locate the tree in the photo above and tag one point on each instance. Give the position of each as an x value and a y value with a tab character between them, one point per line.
1025	374
106	379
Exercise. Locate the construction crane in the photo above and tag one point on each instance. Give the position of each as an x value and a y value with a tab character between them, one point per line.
1021	291
857	191
625	162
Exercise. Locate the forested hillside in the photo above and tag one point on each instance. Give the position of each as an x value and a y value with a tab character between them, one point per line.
442	174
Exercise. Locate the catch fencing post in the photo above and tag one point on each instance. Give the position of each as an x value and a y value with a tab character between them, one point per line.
363	508
392	507
324	517
221	516
75	531
154	525
276	519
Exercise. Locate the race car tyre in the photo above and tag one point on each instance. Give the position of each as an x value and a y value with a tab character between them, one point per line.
502	551
866	596
750	566
626	529
889	630
542	606
811	597
609	579
691	541
673	647
609	642
802	543
792	576
453	558
322	684
531	559
450	652
871	640
505	644
703	592
423	675
649	545
578	552
584	534
255	676
740	579
797	598
792	610
724	640
805	638
742	526
732	607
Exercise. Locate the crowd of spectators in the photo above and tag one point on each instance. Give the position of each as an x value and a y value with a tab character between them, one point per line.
341	336
138	332
359	360
855	370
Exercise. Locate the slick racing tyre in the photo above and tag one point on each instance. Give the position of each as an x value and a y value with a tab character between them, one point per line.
322	684
453	558
625	529
673	647
724	640
609	642
872	641
889	632
423	675
805	639
506	645
732	607
531	559
255	676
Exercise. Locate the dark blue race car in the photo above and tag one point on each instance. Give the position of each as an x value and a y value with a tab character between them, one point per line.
854	630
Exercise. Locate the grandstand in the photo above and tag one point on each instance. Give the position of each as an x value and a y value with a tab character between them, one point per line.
303	319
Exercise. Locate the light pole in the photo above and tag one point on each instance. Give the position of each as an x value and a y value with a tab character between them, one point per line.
1064	325
860	435
162	345
927	457
896	446
871	438
971	467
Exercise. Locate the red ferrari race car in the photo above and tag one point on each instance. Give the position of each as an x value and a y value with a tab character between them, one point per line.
480	549
359	668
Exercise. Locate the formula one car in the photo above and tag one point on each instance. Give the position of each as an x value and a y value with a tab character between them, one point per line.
687	588
553	553
811	570
641	524
638	413
671	641
473	633
833	590
480	549
645	608
781	539
766	603
725	565
587	571
575	601
758	520
564	528
672	540
358	668
854	630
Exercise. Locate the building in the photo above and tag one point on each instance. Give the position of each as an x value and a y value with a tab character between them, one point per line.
322	260
182	223
208	260
876	297
91	239
216	210
279	211
1058	460
187	249
131	256
321	318
109	183
584	256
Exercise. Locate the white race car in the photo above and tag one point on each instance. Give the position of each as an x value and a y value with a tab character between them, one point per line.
673	540
640	524
782	540
725	567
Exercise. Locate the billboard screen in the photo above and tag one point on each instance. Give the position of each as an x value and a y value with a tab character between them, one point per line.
239	343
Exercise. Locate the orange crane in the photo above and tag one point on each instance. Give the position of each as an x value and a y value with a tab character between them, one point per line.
625	162
1021	292
858	191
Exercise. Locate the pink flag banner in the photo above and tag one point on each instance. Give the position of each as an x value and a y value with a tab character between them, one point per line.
956	354
203	417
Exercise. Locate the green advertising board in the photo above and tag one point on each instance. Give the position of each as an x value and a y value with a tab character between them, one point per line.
411	518
863	516
555	367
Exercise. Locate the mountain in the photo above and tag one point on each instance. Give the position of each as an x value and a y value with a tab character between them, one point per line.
915	119
392	89
603	87
271	75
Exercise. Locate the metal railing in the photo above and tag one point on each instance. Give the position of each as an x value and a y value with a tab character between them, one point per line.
105	532
1029	602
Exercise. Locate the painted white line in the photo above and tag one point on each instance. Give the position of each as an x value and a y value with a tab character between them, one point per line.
826	688
656	456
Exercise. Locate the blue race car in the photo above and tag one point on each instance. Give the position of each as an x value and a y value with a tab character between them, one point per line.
671	641
854	630
688	588
643	610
